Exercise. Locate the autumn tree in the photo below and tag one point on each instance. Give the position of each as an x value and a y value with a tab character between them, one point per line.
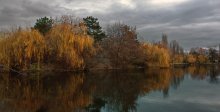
155	56
121	45
202	59
176	48
213	55
191	59
178	58
164	40
93	28
22	48
43	25
68	45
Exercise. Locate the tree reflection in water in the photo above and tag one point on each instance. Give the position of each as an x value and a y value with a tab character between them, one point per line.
202	72
112	91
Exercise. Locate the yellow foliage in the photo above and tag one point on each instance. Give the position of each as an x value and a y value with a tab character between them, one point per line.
29	95
156	56
21	48
69	47
178	59
66	44
202	59
191	59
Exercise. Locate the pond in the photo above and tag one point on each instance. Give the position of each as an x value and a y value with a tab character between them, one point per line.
189	89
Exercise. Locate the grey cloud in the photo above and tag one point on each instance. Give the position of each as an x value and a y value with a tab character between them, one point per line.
21	12
192	23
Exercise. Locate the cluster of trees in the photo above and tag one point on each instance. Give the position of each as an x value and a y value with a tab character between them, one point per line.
123	50
173	52
175	48
79	44
195	57
199	56
190	59
68	43
179	57
65	45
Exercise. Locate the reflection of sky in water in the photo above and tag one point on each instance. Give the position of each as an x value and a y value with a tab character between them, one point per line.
190	96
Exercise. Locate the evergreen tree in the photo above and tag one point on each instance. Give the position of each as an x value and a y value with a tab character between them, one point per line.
43	25
94	29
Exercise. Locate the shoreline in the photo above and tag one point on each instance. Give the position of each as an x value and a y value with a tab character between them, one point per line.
174	65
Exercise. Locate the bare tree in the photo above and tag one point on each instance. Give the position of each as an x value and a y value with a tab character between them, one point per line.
121	45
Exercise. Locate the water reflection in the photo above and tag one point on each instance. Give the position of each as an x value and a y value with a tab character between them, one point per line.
202	72
114	91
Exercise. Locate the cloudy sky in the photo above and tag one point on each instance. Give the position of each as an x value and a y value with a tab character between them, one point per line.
191	22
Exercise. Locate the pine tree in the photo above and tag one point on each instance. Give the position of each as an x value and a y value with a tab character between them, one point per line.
43	25
93	28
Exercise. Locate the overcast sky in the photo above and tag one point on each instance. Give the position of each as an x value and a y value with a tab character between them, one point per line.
191	22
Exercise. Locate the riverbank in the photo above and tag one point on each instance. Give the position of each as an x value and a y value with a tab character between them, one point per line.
55	68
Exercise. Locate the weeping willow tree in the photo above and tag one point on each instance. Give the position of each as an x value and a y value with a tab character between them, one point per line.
22	48
68	44
156	56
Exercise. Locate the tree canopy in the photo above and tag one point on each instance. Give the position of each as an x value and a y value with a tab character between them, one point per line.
93	28
43	25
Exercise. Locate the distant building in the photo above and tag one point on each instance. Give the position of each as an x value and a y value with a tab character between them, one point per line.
200	50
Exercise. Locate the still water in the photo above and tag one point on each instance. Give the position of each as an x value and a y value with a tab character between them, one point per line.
191	89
